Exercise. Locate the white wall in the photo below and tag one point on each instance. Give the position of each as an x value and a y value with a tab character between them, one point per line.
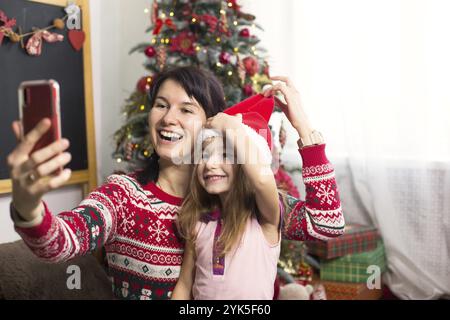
274	18
119	27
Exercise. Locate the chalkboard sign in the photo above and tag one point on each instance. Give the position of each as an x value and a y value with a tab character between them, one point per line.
58	61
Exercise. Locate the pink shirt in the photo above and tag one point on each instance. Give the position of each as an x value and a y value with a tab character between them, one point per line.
250	270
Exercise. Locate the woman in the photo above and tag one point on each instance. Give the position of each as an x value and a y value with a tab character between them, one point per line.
133	216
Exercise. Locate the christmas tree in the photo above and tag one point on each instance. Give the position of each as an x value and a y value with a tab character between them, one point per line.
212	34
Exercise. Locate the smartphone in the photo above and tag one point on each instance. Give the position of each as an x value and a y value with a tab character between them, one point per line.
38	100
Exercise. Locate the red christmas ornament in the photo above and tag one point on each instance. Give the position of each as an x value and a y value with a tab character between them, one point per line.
245	33
143	85
251	66
150	51
224	57
248	90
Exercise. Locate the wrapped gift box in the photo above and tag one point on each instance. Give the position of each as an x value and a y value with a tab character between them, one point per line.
356	239
350	291
354	267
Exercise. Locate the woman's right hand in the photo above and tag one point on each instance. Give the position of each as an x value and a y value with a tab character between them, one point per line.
32	175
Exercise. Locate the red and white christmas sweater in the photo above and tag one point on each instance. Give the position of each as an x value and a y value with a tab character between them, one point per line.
136	225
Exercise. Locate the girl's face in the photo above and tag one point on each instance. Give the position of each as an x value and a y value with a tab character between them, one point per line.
216	170
175	119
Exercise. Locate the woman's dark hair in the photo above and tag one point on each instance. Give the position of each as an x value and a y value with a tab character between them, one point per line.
199	84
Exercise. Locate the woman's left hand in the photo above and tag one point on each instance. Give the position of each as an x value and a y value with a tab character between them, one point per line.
293	108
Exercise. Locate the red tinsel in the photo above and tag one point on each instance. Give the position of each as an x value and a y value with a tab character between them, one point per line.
210	20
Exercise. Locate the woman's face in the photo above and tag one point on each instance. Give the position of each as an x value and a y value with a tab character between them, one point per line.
174	122
216	170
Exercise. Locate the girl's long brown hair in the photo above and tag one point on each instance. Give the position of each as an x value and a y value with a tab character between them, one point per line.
238	207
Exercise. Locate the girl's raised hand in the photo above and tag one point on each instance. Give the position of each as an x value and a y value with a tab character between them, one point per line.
293	108
222	122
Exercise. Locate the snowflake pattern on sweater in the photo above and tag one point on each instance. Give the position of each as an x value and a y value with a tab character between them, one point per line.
136	225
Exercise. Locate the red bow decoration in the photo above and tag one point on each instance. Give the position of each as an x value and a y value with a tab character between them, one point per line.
34	44
6	27
160	23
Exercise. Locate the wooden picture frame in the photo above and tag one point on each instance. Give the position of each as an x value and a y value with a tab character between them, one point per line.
87	179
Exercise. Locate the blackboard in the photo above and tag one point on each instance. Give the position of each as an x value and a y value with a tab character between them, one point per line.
58	61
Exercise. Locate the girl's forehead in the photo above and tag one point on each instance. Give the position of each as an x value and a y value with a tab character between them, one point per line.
213	144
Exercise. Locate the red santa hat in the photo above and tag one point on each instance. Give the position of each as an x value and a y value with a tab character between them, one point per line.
256	112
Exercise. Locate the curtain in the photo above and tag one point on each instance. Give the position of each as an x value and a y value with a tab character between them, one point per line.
374	78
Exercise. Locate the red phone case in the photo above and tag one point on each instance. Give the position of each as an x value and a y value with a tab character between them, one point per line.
39	100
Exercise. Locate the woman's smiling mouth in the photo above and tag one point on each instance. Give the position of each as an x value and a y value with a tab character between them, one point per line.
169	136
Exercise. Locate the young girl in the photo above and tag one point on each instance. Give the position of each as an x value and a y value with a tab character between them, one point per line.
231	218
